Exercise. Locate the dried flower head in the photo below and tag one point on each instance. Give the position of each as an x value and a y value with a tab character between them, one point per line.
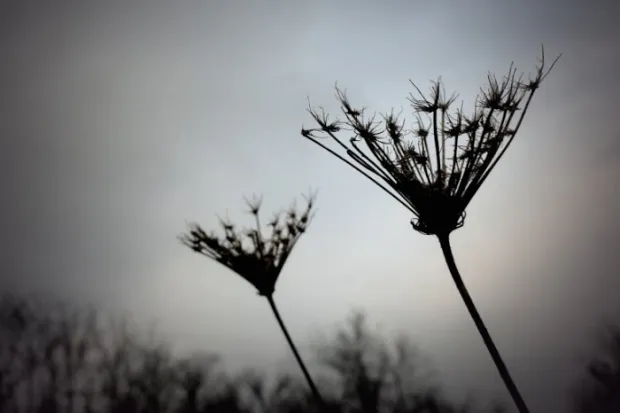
256	255
435	166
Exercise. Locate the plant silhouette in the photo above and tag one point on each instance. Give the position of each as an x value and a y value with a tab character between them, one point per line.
258	257
435	167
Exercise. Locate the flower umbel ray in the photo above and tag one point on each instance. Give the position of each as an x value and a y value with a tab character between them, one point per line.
435	165
256	254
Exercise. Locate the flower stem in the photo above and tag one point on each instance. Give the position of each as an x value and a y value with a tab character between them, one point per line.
313	388
444	241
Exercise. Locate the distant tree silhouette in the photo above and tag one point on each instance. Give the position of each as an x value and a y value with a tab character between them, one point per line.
378	375
435	167
599	391
56	358
43	353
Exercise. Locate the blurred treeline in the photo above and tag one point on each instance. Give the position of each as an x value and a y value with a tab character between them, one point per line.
58	358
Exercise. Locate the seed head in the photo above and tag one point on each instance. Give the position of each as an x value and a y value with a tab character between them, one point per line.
436	166
256	255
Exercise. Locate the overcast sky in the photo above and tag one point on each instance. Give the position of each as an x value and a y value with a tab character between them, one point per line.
120	122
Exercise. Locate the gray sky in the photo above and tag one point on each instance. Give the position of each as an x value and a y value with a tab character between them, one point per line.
119	122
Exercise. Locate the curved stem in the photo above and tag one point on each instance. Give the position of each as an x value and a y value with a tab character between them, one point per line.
313	388
444	241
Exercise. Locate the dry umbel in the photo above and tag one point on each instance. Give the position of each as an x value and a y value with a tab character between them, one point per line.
435	165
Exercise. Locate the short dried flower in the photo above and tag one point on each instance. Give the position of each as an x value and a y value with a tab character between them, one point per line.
256	255
435	167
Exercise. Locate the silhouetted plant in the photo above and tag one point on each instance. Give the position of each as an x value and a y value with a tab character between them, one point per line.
435	167
600	390
258	257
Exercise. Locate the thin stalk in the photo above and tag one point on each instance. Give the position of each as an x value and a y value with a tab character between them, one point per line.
444	241
313	388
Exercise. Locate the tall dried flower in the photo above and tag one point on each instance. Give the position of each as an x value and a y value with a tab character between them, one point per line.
256	255
436	165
